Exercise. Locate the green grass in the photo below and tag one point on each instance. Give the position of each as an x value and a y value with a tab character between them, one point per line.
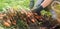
14	3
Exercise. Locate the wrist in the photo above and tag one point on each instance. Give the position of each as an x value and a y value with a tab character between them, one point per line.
40	8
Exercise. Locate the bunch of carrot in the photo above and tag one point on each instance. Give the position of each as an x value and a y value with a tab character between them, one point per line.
13	16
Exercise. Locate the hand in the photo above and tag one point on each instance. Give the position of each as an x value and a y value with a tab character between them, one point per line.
37	10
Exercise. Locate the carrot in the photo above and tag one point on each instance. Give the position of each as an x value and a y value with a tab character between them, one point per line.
33	20
14	22
6	24
9	21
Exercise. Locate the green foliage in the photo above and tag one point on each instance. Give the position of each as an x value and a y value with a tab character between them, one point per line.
43	12
22	25
14	3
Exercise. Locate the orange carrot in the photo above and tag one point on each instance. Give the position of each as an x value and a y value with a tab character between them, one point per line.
6	24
